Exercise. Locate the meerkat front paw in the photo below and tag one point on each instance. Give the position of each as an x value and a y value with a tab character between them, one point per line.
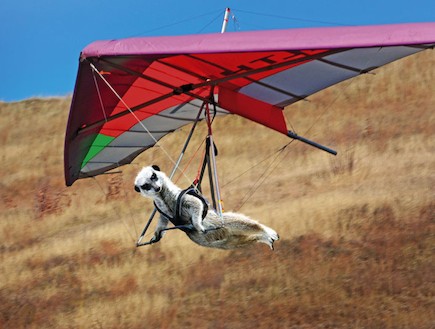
200	228
156	237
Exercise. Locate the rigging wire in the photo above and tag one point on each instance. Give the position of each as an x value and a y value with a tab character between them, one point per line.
233	179
263	176
236	25
211	22
116	211
99	95
291	18
191	159
182	21
95	180
260	180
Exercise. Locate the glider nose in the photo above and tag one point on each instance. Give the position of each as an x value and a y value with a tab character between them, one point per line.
136	188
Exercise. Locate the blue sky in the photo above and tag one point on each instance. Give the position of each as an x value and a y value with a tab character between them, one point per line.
41	39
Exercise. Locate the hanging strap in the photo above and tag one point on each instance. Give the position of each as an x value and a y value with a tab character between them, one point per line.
206	163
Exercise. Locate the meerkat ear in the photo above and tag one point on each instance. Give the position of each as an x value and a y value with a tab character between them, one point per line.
155	167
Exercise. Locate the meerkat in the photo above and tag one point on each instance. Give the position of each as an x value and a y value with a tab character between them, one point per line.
203	226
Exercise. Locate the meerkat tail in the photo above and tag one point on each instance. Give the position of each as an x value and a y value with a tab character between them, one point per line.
270	232
271	236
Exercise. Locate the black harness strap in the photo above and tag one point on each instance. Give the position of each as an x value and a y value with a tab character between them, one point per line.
190	191
176	220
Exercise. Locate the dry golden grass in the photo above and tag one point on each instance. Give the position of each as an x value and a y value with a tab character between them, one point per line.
357	230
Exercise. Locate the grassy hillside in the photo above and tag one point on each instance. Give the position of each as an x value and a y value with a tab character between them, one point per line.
357	230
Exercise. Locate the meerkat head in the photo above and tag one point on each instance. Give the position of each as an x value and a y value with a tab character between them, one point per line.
149	181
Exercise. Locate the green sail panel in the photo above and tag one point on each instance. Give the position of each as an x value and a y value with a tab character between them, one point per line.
100	142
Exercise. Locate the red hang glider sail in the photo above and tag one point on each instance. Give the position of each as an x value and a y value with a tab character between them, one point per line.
130	93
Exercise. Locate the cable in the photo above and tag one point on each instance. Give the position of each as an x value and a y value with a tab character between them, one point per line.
117	213
180	22
263	176
291	18
208	24
99	95
232	180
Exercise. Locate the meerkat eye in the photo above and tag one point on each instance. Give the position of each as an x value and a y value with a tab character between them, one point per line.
154	176
146	187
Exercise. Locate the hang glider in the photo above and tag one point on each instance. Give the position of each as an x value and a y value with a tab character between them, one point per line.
130	93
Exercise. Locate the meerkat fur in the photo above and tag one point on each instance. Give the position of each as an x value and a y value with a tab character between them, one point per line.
233	230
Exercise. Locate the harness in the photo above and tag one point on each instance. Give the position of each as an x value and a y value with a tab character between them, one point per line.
176	220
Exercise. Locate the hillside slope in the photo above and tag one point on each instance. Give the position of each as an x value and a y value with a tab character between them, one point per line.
357	230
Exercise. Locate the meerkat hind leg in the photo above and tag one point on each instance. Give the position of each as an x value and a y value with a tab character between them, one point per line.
234	231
